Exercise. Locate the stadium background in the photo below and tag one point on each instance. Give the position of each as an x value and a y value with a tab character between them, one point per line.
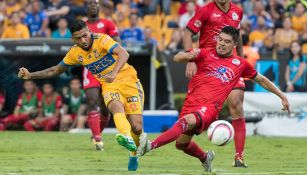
268	27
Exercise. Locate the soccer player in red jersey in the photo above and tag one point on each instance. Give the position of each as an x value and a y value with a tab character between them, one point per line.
49	113
208	21
26	107
98	114
217	74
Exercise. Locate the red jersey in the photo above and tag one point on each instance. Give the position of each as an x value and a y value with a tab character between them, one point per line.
2	99
215	79
209	21
103	26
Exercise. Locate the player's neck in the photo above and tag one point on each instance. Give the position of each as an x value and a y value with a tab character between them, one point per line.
223	7
93	19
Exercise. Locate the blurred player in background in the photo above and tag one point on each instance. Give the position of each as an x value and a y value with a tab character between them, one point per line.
49	112
74	107
98	114
122	91
26	107
217	74
209	20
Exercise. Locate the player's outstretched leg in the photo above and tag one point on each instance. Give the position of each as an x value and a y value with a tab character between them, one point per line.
122	125
235	100
185	144
185	123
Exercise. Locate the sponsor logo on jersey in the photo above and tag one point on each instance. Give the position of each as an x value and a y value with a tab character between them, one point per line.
80	58
132	99
236	62
100	25
216	15
225	74
133	107
197	23
100	65
235	16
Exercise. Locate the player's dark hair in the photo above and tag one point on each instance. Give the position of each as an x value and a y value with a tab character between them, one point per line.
77	25
233	32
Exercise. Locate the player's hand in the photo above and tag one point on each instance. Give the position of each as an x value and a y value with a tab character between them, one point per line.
191	70
110	77
286	105
24	74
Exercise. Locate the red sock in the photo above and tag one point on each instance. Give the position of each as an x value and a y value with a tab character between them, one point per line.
28	126
192	149
240	134
170	135
94	124
51	124
104	121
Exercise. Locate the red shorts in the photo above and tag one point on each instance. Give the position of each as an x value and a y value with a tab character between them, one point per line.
205	114
72	116
240	84
89	81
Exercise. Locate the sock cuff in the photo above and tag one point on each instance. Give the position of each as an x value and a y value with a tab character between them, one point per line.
94	114
241	119
116	115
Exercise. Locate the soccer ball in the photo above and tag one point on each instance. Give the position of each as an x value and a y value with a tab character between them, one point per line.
220	132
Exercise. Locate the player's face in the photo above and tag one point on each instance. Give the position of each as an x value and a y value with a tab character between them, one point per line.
47	89
29	86
82	38
93	8
225	45
75	85
222	2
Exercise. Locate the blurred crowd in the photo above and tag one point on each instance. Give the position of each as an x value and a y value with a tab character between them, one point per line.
268	27
46	109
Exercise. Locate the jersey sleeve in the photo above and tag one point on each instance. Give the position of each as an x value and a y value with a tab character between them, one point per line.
248	70
58	102
112	29
69	59
240	18
197	21
19	101
107	43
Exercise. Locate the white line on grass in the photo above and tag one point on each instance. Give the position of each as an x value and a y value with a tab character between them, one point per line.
264	173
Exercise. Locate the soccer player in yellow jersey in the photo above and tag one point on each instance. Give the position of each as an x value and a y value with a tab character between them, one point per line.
107	61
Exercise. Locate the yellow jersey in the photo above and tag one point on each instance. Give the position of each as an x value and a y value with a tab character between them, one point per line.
100	60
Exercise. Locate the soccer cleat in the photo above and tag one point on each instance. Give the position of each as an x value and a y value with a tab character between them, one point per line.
126	142
145	145
98	144
239	162
207	164
133	163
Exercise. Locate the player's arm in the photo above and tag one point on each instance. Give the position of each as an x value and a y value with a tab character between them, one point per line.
121	61
268	85
81	110
43	74
184	57
191	68
239	47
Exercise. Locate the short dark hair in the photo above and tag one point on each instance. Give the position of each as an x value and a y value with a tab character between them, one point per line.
77	25
233	32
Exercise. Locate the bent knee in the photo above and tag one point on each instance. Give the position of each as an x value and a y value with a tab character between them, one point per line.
137	130
181	146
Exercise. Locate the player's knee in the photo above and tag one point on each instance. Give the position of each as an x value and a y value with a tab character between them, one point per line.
181	146
137	130
65	120
190	120
236	105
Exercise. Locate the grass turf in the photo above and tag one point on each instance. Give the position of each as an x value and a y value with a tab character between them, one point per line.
23	153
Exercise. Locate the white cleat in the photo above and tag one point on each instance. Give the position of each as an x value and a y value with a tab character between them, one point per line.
208	163
145	145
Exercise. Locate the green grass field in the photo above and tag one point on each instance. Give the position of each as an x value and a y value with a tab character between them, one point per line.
24	153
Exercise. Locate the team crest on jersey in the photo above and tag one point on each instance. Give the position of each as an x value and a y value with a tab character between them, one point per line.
225	74
80	58
236	62
235	16
100	25
96	54
197	23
